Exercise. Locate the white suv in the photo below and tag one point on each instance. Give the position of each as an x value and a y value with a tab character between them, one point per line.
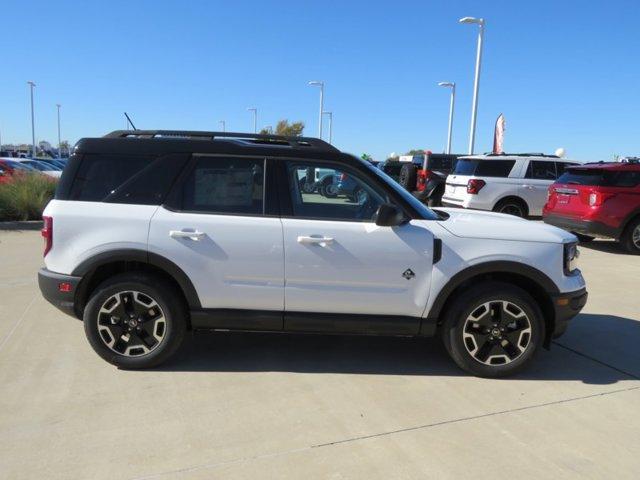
155	233
515	184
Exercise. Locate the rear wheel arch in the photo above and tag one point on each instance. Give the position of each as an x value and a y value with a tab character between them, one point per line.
512	198
97	269
528	278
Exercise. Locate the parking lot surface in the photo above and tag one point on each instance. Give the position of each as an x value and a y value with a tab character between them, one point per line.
247	406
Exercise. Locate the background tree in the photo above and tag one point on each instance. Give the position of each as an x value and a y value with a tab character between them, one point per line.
286	129
415	151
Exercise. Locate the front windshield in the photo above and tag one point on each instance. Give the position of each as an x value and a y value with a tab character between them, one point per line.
426	212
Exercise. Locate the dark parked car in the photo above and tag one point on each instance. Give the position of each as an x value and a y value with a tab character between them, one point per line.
426	176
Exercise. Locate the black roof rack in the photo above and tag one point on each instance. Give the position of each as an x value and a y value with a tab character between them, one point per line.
251	138
491	154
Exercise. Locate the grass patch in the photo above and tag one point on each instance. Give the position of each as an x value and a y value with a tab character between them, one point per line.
25	197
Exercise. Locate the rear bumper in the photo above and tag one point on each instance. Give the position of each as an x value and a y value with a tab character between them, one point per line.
585	227
567	306
49	283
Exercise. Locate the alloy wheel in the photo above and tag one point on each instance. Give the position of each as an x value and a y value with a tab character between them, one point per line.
635	236
497	332
131	323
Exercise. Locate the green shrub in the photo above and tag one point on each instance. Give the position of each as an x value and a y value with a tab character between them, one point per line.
25	197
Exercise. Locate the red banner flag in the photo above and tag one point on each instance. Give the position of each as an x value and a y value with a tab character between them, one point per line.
498	135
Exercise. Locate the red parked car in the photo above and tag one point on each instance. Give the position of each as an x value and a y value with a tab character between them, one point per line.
598	200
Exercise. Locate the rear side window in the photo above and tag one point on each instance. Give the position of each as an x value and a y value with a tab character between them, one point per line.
602	178
624	179
484	168
100	175
439	163
225	185
541	170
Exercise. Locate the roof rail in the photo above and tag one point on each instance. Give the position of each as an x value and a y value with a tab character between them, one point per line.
491	154
256	139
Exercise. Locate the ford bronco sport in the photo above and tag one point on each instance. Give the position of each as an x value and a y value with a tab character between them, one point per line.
155	233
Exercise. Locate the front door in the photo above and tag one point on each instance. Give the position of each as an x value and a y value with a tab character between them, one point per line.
338	261
217	232
539	176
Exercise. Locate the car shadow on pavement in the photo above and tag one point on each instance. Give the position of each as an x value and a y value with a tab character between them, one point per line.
606	246
572	358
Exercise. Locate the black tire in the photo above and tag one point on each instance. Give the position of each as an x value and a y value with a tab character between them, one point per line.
512	206
408	177
630	238
169	320
584	238
460	324
435	199
328	188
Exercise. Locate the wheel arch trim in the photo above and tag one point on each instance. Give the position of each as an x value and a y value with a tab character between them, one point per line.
497	267
134	255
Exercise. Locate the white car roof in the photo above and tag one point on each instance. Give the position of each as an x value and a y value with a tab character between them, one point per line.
550	158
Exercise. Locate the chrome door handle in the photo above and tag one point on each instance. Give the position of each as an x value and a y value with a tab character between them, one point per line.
195	235
322	241
528	187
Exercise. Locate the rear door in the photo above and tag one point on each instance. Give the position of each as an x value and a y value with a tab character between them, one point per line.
539	176
339	262
216	228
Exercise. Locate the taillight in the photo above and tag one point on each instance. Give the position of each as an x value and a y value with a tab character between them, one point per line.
47	234
475	185
598	198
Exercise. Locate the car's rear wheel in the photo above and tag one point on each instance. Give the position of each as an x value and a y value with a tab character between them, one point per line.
408	177
135	320
630	238
493	329
511	206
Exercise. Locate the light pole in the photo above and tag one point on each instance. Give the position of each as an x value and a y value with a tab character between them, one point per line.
255	118
59	142
451	85
317	83
476	83
33	127
224	125
330	115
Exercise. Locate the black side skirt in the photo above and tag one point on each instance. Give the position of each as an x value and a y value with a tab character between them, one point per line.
263	320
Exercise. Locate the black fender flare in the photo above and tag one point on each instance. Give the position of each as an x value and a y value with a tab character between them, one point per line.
142	256
498	266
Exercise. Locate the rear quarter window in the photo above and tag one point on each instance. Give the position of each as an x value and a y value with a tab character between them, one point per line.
484	168
100	175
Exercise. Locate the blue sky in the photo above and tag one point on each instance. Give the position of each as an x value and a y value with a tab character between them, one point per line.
565	74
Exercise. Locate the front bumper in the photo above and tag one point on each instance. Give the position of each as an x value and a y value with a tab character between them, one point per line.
585	227
566	306
59	289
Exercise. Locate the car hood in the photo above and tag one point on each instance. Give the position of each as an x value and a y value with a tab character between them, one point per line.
499	226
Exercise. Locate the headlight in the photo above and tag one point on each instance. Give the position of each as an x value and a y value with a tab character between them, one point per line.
571	255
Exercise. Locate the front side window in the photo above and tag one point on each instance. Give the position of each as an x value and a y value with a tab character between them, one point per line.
541	170
225	185
335	195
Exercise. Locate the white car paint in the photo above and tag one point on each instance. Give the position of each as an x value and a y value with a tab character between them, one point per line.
269	263
532	191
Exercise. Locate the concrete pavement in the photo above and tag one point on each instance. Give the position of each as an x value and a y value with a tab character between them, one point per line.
253	406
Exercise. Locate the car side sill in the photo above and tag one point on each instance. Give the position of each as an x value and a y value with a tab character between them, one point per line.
307	322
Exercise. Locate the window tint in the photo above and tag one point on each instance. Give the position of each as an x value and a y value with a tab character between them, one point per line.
624	179
337	195
225	185
562	166
582	177
439	163
484	168
541	170
151	185
100	175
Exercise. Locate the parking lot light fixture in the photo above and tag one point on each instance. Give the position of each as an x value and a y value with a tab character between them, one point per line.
255	118
318	83
33	127
330	115
452	86
476	83
59	142
224	125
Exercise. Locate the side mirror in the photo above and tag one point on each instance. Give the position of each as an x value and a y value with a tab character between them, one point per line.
389	216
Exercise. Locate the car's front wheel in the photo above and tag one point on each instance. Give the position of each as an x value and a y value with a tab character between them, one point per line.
493	329
135	320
